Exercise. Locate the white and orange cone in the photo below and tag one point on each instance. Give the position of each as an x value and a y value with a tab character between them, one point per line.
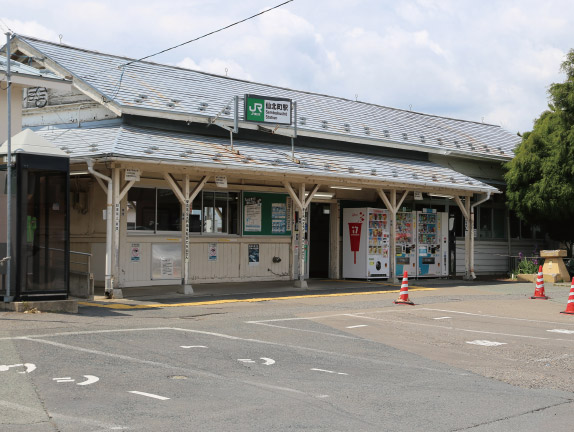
539	291
570	306
404	294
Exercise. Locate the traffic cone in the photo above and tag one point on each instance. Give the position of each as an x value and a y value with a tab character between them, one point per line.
539	291
570	305
404	295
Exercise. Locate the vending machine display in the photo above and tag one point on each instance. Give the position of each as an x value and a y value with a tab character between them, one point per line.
405	244
432	251
365	243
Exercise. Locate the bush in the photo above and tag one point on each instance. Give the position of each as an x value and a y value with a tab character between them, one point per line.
528	265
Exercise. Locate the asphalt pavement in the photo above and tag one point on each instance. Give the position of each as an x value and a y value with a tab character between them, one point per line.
468	356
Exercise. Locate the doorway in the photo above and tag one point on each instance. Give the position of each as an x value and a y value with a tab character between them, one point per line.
319	247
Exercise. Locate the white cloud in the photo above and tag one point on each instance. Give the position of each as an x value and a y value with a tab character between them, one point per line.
217	66
29	28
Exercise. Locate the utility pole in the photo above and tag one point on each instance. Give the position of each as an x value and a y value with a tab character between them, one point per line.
8	297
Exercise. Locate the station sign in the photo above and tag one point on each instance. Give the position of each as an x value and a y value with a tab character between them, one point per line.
265	109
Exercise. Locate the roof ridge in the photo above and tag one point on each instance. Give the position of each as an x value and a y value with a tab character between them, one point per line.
418	113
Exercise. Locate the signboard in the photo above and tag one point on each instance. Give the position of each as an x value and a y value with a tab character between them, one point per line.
265	109
221	181
132	174
418	196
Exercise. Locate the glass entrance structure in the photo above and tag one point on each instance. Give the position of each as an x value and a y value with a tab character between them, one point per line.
41	219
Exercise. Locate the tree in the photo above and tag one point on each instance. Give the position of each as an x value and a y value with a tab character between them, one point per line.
540	177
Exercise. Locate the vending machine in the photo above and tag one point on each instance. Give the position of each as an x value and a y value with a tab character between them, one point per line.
432	243
405	244
365	243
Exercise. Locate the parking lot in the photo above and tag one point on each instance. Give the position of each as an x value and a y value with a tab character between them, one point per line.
469	358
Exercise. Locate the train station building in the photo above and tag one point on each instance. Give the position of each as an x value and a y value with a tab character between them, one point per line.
180	177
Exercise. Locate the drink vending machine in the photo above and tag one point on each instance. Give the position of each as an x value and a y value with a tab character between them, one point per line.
365	243
432	243
405	244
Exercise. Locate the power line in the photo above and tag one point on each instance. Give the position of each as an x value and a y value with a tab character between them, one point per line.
6	25
207	34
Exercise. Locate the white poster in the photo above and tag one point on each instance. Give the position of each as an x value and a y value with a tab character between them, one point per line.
212	252
252	214
166	266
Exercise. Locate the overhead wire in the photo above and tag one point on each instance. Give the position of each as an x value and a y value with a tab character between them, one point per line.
122	66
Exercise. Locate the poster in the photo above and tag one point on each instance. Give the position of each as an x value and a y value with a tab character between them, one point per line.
136	252
253	254
166	266
278	226
212	252
278	215
252	214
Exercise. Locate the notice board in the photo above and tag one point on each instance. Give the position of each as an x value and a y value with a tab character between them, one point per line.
268	214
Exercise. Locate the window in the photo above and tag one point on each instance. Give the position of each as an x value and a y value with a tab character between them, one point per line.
158	210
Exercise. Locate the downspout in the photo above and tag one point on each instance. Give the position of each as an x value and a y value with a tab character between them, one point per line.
109	286
472	275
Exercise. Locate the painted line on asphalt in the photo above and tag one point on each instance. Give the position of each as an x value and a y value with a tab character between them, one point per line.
328	371
35	338
123	306
441	318
495	316
192	346
486	343
357	326
471	331
563	331
150	395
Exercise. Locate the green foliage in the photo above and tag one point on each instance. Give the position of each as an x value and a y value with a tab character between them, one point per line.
540	178
527	266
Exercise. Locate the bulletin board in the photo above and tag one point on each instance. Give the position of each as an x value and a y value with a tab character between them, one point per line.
267	214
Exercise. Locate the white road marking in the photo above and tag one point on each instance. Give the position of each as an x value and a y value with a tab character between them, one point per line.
357	326
441	318
192	346
471	331
90	379
561	331
246	360
149	395
486	343
267	361
66	379
33	338
30	367
328	371
490	316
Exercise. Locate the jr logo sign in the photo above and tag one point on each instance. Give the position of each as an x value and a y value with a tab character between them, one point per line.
263	109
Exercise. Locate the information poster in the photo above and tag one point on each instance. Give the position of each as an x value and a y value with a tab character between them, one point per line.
278	218
253	214
212	252
166	266
136	252
253	253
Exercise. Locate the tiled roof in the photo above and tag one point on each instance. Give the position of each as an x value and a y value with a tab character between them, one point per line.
172	91
154	145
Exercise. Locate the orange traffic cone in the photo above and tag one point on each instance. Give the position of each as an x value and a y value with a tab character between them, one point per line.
539	291
570	305
404	295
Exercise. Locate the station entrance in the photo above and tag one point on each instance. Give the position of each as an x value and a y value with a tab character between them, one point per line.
319	247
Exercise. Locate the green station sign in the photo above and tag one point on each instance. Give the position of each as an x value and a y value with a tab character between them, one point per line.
265	109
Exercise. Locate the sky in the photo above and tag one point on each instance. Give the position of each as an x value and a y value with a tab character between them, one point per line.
488	61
